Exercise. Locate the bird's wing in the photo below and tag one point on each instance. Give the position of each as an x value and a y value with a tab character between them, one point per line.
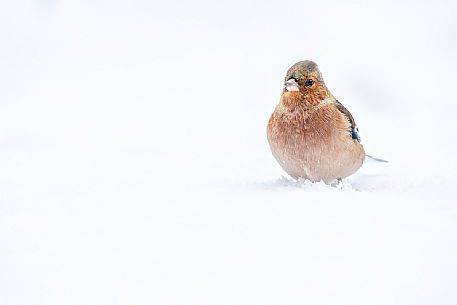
354	130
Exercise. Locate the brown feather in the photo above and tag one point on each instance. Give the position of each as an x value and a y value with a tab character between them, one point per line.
346	112
308	133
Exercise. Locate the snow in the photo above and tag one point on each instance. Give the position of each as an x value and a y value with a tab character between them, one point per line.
135	167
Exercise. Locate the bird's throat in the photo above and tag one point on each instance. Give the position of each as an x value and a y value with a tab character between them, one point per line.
294	100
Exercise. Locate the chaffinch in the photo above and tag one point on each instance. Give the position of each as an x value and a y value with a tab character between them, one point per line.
311	134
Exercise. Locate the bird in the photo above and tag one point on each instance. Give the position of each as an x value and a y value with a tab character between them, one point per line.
310	133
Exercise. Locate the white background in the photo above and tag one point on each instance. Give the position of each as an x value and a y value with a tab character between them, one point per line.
134	166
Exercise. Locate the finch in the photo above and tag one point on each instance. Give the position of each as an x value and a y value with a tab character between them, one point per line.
311	134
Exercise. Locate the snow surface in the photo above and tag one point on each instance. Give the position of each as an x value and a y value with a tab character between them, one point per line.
134	166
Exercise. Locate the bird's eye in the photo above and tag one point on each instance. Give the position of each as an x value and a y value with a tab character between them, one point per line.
309	83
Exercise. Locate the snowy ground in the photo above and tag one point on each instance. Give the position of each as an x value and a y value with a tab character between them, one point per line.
134	167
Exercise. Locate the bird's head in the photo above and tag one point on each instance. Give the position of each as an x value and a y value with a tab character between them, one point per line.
305	78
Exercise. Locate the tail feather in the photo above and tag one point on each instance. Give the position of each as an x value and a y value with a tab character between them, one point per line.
376	159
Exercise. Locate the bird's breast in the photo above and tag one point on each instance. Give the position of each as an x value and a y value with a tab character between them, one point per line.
316	145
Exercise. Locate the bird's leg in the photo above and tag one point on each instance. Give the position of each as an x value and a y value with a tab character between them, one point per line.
336	183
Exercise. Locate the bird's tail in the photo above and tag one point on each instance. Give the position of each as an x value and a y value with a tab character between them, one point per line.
376	159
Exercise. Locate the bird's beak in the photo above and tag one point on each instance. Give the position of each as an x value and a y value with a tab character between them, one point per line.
291	85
